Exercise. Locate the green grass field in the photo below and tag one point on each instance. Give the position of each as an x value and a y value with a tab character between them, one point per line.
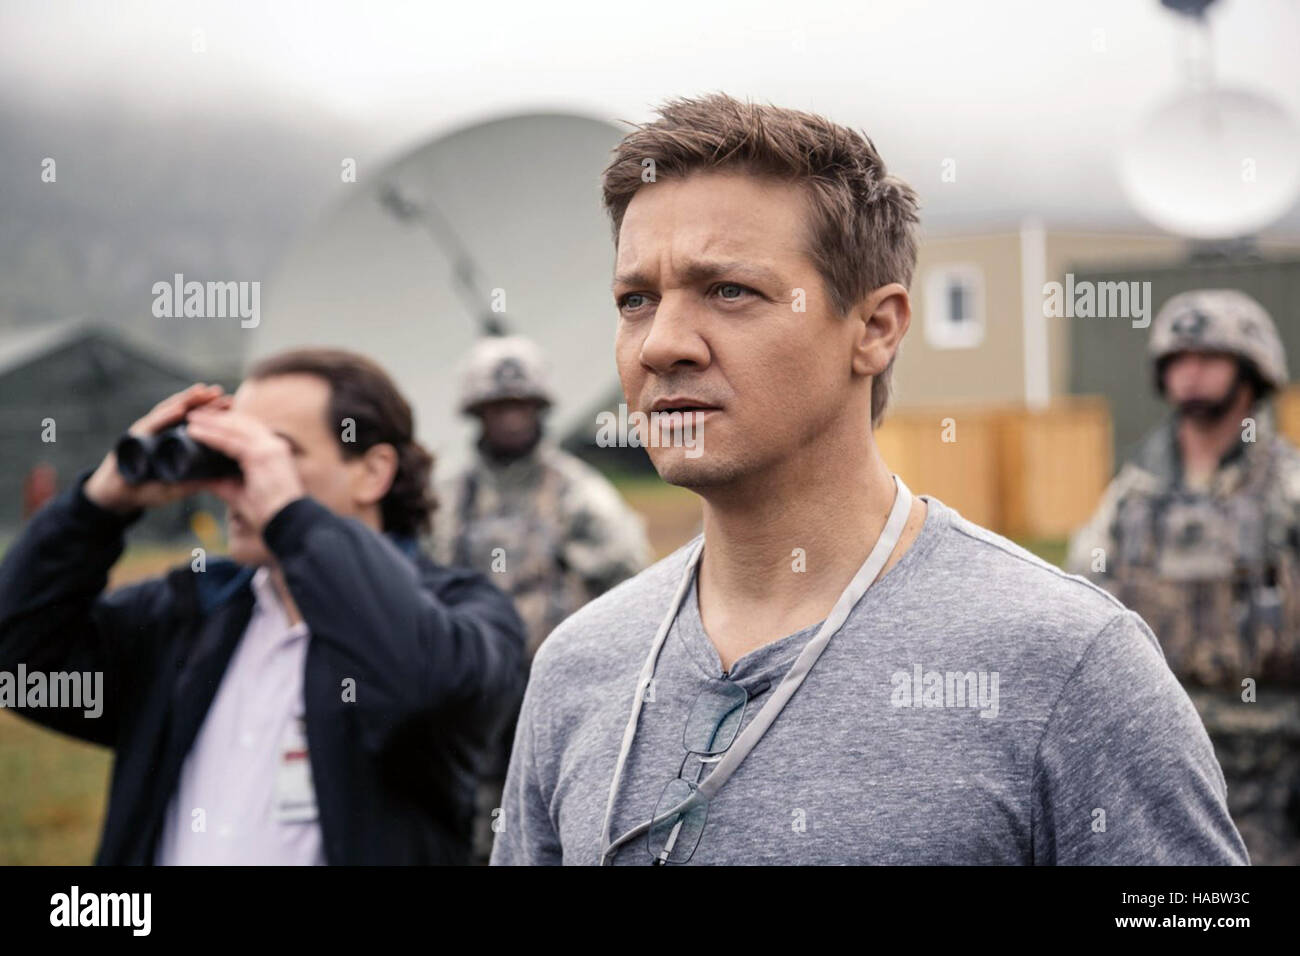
54	788
52	801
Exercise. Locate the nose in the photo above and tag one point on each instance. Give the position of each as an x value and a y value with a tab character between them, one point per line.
1198	366
674	339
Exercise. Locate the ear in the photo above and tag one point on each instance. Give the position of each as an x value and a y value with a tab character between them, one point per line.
372	479
881	320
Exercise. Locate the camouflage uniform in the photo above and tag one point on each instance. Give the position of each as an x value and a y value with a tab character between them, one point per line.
546	527
1215	572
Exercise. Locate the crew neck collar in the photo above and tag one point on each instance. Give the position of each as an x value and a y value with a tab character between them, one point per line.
776	656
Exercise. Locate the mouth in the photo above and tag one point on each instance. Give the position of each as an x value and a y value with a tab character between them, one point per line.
683	405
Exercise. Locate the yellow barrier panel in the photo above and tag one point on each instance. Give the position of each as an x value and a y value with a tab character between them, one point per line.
1021	472
949	453
1286	407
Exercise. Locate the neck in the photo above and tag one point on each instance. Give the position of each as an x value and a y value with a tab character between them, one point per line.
501	457
781	547
282	592
1203	444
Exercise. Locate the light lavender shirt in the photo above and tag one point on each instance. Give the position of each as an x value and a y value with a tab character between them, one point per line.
241	797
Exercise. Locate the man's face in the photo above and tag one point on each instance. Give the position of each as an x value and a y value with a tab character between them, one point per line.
296	407
510	425
1199	382
704	283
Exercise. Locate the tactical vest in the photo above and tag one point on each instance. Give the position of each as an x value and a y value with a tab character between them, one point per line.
1216	577
518	540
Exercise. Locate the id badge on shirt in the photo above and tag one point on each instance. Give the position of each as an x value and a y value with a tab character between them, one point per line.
295	797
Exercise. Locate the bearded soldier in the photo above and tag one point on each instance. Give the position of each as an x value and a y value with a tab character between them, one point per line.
544	526
1200	534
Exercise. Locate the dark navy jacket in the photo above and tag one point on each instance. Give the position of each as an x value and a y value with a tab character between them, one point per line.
436	654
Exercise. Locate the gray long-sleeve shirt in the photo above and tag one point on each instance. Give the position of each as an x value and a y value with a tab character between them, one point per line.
979	706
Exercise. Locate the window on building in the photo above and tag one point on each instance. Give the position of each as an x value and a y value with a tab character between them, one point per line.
954	307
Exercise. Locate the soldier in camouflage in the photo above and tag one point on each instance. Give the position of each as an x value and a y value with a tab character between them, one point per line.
546	528
1200	534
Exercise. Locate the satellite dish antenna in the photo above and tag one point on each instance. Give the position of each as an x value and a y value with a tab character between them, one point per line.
494	228
464	269
1211	163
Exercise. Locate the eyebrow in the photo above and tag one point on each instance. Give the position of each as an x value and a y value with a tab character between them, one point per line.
289	438
701	271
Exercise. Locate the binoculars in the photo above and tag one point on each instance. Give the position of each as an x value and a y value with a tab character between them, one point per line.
170	456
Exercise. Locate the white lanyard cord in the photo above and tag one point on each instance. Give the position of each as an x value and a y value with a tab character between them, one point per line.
647	674
863	580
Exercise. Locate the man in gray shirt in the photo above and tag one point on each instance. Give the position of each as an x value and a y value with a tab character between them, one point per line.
835	672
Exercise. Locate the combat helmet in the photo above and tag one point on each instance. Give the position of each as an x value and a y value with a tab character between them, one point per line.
503	367
1219	320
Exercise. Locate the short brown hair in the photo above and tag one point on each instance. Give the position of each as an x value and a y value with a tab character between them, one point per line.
362	391
863	220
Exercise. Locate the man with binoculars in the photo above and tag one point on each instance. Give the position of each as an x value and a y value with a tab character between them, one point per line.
325	695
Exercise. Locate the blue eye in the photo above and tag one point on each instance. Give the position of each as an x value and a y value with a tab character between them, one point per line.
627	301
726	287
